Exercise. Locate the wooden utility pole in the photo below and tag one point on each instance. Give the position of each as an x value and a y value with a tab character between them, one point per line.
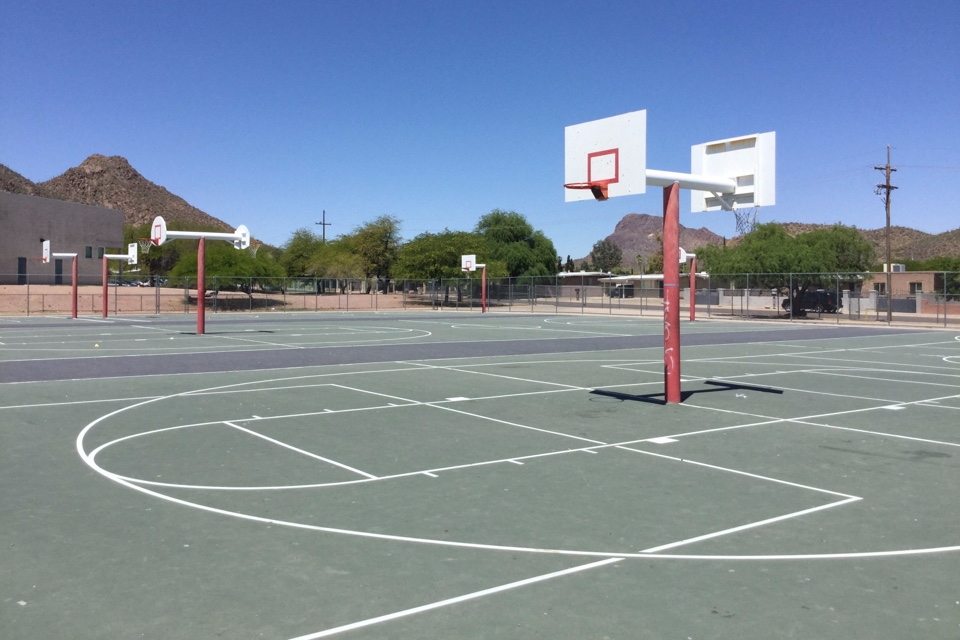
323	226
886	187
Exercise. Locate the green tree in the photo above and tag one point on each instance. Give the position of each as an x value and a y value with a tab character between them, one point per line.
569	266
433	256
299	253
655	261
377	244
606	255
510	239
776	260
225	266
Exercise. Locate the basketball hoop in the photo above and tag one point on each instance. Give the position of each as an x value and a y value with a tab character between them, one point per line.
145	244
598	189
746	219
253	248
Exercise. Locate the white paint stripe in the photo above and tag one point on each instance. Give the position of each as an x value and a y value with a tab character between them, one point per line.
511	424
306	453
739	473
76	402
432	475
751	525
451	601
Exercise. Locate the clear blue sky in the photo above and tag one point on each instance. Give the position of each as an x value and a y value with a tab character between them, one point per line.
436	112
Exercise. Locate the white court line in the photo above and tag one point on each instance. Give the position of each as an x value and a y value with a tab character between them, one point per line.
78	402
506	377
750	525
306	453
746	474
88	458
511	424
450	601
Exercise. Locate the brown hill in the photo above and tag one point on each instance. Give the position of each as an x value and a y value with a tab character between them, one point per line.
905	243
13	182
636	234
110	181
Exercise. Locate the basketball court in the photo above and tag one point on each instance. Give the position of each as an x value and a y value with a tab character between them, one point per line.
416	475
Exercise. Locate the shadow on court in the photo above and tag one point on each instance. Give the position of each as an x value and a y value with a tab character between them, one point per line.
659	398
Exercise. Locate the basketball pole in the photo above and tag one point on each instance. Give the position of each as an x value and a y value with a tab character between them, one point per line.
74	273
73	285
671	293
104	294
483	288
201	286
693	287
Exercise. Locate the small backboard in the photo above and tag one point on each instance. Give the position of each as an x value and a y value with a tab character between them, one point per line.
468	263
132	253
45	256
610	153
158	232
750	160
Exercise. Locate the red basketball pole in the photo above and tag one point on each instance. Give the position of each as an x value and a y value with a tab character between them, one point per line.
671	292
104	287
693	288
73	305
483	290
201	286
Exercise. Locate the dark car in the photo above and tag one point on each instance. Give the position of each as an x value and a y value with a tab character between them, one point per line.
820	301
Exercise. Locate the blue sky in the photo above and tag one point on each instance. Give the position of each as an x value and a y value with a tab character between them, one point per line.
436	112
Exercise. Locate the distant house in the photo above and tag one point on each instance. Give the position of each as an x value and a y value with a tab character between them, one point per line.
26	221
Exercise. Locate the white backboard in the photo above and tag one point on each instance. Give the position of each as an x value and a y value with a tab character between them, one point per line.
243	238
750	160
46	251
468	263
610	151
158	232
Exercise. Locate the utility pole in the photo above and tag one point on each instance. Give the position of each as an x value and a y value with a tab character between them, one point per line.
886	187
324	224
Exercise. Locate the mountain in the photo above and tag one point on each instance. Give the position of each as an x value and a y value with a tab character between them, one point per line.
636	234
110	181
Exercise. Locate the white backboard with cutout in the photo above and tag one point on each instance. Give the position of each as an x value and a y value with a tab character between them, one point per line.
749	160
610	151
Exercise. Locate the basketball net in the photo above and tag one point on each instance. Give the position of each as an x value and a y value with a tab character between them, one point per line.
145	244
253	248
746	219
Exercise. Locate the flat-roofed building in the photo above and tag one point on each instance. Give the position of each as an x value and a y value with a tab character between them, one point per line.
26	221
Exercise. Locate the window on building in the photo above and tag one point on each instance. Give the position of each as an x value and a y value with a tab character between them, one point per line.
880	287
916	287
100	253
88	252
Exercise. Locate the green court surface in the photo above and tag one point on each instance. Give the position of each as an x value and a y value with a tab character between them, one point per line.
432	475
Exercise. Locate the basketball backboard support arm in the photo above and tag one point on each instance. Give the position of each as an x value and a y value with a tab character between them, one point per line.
656	178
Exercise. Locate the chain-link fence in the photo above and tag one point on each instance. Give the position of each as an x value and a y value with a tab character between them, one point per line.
932	297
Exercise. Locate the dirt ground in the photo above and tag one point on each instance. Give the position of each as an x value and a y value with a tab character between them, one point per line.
45	299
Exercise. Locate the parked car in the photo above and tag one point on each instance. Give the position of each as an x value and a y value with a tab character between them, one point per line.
621	290
820	301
